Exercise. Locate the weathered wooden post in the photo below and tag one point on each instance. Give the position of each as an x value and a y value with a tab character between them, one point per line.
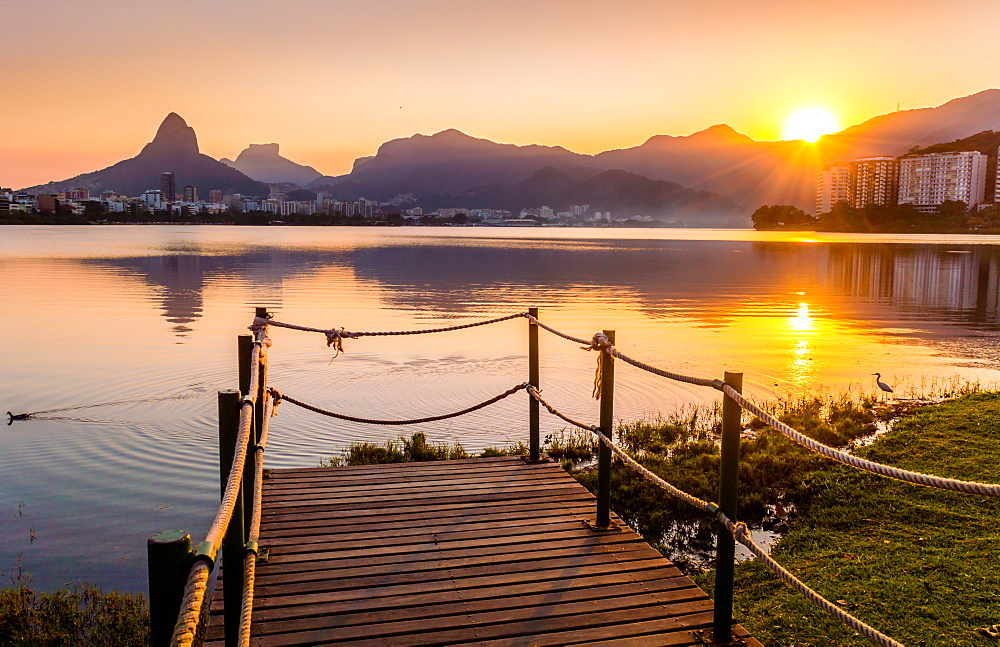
607	422
725	552
234	540
258	414
244	346
533	424
169	555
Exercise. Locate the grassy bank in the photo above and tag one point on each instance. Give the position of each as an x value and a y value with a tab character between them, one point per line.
920	565
67	618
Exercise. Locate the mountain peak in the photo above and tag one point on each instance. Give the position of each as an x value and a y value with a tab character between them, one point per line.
174	136
269	150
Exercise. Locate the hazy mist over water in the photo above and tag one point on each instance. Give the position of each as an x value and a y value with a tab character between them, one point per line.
146	318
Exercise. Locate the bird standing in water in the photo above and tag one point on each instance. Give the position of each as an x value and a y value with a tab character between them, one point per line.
882	385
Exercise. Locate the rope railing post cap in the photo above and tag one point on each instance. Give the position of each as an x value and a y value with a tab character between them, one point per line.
206	552
252	547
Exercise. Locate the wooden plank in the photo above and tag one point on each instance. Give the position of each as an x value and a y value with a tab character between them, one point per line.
487	552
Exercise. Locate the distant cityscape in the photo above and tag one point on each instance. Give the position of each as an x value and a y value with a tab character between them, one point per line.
186	203
924	181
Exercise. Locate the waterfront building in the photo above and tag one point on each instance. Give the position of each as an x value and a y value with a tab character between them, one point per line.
215	196
835	183
926	181
546	212
190	193
153	198
168	187
876	180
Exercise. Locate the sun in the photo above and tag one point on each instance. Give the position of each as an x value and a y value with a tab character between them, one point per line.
810	124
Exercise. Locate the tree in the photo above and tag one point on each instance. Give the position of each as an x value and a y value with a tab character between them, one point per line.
781	216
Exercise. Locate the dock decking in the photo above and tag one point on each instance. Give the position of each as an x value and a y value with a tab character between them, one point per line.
484	551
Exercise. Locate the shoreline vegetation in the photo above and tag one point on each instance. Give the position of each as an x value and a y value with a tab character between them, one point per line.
950	217
920	565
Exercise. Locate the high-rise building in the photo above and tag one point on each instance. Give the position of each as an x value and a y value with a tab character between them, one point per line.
78	194
168	187
875	181
190	193
926	181
215	196
996	186
835	183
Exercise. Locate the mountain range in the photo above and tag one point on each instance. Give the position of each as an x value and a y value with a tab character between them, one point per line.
717	168
174	148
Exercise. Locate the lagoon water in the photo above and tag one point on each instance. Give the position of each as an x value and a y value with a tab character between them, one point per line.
142	320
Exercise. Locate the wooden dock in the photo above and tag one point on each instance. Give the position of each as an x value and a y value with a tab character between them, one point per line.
483	551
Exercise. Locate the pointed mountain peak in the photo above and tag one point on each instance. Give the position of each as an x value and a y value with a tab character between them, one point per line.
175	136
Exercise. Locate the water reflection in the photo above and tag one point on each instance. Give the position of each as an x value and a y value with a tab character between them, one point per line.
791	315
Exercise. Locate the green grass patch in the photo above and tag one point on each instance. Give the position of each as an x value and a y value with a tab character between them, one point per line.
919	564
70	617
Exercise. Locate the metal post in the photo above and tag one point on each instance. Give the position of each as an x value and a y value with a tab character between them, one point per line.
234	540
533	424
725	554
169	555
607	425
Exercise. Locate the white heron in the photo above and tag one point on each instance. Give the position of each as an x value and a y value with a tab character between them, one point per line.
882	385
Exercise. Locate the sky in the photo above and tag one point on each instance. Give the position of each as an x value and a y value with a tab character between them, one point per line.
330	80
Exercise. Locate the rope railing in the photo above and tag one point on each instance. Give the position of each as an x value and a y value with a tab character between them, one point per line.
186	627
335	337
918	478
600	342
192	608
739	530
280	397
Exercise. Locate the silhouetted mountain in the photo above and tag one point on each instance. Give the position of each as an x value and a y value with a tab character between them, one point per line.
721	160
175	148
263	163
445	163
784	172
624	194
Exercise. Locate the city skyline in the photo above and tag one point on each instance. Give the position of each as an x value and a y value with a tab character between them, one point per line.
330	82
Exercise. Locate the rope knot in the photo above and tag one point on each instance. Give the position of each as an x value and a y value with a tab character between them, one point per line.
740	530
276	396
598	342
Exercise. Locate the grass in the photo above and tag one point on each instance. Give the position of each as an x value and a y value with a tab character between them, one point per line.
919	564
70	617
684	450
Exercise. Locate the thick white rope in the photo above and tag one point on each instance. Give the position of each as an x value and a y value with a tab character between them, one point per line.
930	480
197	583
741	533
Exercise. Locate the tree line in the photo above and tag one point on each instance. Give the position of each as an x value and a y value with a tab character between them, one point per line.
949	216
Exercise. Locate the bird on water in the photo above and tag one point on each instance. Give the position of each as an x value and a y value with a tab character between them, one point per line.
882	385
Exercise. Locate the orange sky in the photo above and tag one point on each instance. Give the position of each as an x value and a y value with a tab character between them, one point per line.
330	80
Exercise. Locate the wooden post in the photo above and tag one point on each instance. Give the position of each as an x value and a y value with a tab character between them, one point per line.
607	426
244	346
725	552
533	424
234	540
169	556
258	416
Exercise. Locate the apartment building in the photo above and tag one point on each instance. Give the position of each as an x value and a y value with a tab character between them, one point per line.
926	181
835	183
875	181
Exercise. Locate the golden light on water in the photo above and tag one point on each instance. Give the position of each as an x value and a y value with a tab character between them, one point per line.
802	320
810	124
